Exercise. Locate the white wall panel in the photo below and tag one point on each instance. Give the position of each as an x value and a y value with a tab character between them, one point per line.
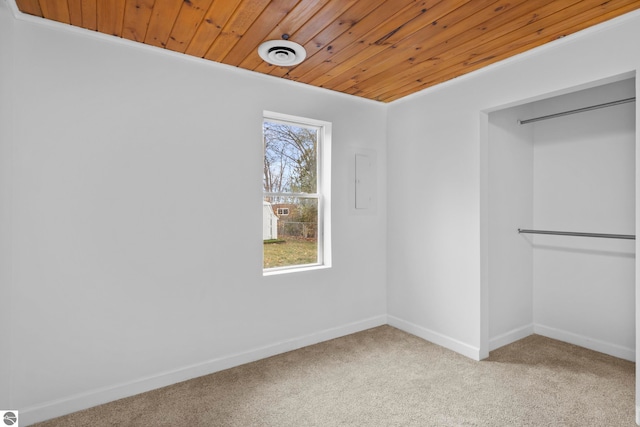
136	181
584	167
6	131
510	206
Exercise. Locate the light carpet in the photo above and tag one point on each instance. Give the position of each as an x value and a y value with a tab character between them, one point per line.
386	377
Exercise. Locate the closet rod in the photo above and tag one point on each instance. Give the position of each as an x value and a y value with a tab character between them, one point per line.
571	233
579	110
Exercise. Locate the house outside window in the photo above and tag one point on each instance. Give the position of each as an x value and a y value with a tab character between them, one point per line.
296	183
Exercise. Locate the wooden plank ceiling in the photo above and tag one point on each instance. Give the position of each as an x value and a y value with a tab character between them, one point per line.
377	49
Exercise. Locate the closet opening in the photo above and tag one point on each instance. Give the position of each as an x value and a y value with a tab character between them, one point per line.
559	220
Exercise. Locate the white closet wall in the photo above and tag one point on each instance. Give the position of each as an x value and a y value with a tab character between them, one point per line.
510	169
584	180
573	173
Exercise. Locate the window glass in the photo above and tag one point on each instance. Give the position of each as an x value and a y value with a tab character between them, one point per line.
293	217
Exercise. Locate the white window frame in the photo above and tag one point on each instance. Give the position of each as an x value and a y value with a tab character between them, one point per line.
283	211
323	194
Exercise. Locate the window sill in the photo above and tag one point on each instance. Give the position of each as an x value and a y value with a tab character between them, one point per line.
287	270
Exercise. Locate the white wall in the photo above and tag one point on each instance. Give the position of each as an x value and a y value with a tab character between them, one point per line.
137	257
510	206
6	58
437	271
584	168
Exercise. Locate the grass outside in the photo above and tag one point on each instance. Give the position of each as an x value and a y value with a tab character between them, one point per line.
290	251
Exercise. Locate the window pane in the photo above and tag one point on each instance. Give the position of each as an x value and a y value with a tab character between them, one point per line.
290	158
294	211
294	237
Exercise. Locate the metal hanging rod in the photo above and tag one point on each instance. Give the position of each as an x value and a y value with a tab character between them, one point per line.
579	110
571	233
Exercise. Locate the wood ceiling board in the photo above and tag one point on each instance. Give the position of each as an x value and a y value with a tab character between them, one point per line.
376	49
458	48
90	15
211	26
445	40
238	24
32	7
355	34
441	16
379	39
443	35
496	51
187	22
472	62
55	10
111	17
137	14
75	12
161	22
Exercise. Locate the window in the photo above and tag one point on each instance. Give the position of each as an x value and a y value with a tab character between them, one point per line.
295	193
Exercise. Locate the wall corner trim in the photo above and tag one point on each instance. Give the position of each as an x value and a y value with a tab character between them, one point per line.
586	342
436	338
511	336
13	7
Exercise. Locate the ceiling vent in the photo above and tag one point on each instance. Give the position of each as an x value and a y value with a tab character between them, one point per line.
283	53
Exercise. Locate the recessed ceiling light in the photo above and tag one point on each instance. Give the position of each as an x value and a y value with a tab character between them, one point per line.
283	53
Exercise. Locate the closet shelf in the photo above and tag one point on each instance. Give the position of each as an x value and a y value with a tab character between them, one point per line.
572	233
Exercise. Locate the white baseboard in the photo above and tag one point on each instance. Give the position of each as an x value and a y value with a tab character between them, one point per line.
99	396
510	337
95	397
586	342
564	336
435	337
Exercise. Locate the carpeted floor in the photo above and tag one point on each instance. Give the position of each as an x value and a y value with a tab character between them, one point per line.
385	377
